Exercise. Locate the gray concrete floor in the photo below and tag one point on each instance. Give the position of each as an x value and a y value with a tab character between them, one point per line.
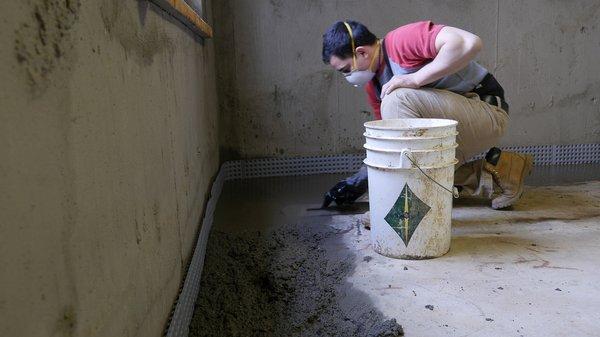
530	271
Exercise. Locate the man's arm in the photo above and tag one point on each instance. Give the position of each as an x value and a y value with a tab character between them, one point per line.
455	49
373	100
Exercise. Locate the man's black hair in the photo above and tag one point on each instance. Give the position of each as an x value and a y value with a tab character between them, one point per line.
336	40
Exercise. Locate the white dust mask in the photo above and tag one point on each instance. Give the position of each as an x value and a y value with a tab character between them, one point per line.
360	77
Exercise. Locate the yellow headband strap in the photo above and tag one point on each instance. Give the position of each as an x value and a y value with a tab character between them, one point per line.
350	33
351	41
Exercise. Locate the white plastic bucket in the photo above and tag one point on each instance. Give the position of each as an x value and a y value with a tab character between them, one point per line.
387	158
411	127
411	173
413	143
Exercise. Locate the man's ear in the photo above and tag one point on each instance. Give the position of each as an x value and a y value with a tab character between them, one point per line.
361	50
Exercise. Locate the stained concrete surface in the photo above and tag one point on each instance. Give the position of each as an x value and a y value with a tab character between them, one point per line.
278	99
108	145
530	271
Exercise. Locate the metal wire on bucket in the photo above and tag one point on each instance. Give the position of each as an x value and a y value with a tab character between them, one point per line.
454	190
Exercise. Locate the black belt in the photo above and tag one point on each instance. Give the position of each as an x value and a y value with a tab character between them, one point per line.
491	92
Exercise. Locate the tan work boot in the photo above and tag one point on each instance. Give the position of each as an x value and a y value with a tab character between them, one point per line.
509	173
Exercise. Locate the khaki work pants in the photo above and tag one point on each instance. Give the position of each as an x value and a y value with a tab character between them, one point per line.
480	126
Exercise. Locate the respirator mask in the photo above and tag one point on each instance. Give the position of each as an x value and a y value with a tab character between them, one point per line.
360	77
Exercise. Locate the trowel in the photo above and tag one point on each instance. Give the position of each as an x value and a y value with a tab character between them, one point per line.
355	208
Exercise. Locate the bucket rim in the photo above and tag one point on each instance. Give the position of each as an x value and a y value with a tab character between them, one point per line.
388	168
454	134
373	124
371	148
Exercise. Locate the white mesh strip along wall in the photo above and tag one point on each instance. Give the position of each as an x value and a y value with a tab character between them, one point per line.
181	317
273	167
256	168
577	154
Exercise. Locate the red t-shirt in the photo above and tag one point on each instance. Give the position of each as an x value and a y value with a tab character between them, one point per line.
410	47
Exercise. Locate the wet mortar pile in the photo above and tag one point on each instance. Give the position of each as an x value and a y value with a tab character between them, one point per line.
287	282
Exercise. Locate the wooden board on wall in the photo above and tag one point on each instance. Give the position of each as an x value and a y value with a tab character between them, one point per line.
187	15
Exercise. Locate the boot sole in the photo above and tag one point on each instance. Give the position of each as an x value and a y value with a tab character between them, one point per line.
526	172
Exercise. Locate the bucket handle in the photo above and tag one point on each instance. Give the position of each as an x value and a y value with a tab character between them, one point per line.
405	152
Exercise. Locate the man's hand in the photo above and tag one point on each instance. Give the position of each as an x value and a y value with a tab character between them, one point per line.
399	81
348	190
343	194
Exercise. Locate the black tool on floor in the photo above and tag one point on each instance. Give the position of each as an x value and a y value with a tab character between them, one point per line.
354	208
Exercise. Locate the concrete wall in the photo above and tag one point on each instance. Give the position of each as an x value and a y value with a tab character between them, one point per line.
278	99
108	143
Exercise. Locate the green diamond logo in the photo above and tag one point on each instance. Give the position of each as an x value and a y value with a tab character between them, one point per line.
406	214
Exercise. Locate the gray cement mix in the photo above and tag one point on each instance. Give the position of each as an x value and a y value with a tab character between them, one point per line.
289	282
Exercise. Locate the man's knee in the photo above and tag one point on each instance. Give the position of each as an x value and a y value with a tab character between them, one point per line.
403	96
400	103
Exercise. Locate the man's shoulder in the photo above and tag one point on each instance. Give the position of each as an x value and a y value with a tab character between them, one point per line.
410	28
413	44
